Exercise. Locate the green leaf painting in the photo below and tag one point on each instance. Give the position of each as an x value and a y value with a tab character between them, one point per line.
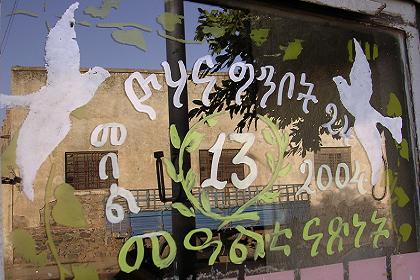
284	140
170	170
402	198
24	13
8	158
293	50
270	161
122	25
390	176
82	113
394	108
268	137
68	210
403	149
25	247
168	21
175	140
84	23
285	170
103	11
205	201
216	31
131	37
187	212
194	141
269	197
259	36
212	122
405	232
172	38
190	180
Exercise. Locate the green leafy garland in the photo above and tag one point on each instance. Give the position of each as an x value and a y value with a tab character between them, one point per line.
192	140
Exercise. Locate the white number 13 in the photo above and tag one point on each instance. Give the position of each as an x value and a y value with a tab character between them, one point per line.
244	138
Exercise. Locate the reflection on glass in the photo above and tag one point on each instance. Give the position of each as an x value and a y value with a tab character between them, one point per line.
298	139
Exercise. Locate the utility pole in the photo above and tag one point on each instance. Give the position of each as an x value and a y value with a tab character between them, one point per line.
185	259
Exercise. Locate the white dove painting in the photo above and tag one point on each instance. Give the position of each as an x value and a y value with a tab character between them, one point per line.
48	121
356	99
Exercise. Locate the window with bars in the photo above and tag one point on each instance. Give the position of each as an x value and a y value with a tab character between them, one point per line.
82	170
332	156
225	168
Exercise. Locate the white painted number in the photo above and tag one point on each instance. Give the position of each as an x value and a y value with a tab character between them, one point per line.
248	140
216	150
306	185
345	167
244	138
320	182
358	178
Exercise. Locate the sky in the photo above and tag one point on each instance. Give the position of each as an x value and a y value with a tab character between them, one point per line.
26	38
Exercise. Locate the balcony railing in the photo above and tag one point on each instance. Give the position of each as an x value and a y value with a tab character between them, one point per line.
230	197
148	199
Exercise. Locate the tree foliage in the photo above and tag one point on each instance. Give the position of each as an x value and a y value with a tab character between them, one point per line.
239	35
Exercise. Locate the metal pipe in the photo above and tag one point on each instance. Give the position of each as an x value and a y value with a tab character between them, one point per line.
160	178
185	259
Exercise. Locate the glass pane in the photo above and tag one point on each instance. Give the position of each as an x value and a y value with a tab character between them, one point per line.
279	143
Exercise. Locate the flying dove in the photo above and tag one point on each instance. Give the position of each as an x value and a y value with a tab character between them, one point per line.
48	121
356	98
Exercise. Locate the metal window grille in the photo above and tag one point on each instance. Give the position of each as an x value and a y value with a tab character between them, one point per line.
332	156
225	169
82	170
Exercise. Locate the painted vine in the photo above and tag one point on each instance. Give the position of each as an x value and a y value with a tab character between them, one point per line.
191	142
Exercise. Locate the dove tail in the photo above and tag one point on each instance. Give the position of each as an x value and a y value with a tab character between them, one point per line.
394	125
28	170
28	188
10	101
387	184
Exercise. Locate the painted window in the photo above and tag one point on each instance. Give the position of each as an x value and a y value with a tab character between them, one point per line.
226	167
82	170
181	140
333	156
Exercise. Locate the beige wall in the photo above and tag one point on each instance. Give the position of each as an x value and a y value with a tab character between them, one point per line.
136	161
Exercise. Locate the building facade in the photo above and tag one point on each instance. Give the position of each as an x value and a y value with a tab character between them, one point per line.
303	155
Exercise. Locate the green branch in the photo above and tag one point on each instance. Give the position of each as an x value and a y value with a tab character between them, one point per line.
238	214
48	192
274	176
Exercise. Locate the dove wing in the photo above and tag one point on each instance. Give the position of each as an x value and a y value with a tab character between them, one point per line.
10	101
360	75
40	134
